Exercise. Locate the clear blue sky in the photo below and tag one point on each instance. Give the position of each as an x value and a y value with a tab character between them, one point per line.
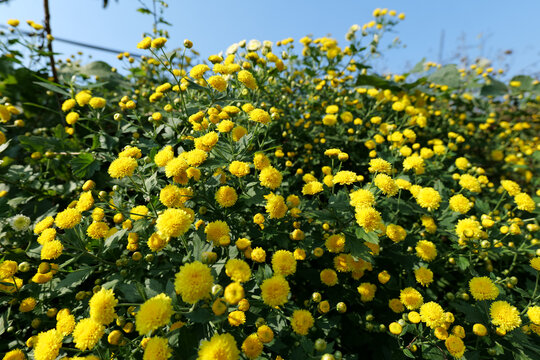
487	28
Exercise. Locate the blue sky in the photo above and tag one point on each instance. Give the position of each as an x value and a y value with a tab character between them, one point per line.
482	28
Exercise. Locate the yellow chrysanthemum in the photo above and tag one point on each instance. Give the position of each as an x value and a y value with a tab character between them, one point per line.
275	206
43	224
246	78
275	291
238	270
51	250
153	314
367	291
97	230
173	222
302	321
157	348
283	263
270	177
482	288
432	314
329	277
504	316
68	218
193	282
222	347
335	243
122	167
455	346
216	230
312	188
386	184
380	166
524	202
368	218
226	196
102	306
460	204
424	276
362	198
48	345
428	198
239	168
411	298
85	202
426	250
87	334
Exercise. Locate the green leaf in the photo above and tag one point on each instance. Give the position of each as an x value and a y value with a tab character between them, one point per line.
462	262
376	81
447	75
112	241
200	315
408	353
84	165
526	82
53	88
74	278
494	88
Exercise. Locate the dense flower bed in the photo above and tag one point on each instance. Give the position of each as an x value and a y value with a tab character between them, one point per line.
279	201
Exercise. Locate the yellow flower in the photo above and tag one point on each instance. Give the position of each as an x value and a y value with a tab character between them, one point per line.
193	282
239	168
265	334
368	218
470	183
218	83
158	42
415	162
411	298
312	188
27	304
198	71
173	197
195	157
176	167
329	277
234	292
283	263
238	270
164	156
51	250
43	224
367	291
14	23
460	203
236	318
396	306
157	348
468	228
395	328
455	346
8	268
535	263
396	233
154	314
87	334
428	198
275	291
68	218
482	288
426	250
258	255
68	104
246	78
173	222
432	314
362	198
270	177
48	345
424	276
138	212
216	230
145	43
302	321
222	347
122	167
379	165
524	202
479	330
102	306
226	196
97	102
534	314
16	354
511	187
386	184
335	243
131	151
260	116
505	316
275	206
65	322
97	230
345	178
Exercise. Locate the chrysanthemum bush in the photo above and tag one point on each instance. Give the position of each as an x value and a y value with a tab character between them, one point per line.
281	201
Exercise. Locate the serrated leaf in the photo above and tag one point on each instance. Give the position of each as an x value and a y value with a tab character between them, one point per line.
84	165
74	278
447	75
